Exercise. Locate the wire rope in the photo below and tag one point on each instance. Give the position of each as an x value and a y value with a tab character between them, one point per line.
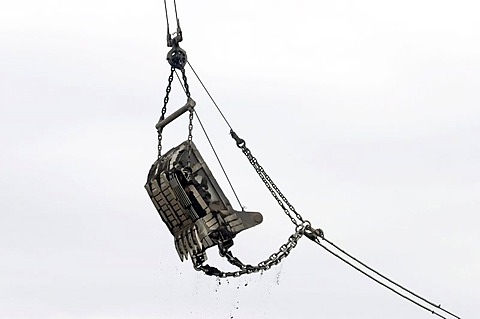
213	149
219	162
389	280
176	14
376	280
209	95
166	15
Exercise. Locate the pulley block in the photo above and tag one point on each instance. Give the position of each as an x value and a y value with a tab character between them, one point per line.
177	57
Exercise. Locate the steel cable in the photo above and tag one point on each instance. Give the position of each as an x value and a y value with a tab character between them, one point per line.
210	96
214	151
166	15
389	280
317	241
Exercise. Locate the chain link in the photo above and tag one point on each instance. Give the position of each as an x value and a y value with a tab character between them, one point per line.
272	260
190	117
274	190
164	110
271	186
184	77
190	137
190	126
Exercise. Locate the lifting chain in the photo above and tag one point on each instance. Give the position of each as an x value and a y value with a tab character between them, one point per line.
164	109
190	117
272	260
274	190
185	83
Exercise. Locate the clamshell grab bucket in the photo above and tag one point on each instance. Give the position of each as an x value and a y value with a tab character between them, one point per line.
192	204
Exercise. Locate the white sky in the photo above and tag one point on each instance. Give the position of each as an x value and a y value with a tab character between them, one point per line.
366	114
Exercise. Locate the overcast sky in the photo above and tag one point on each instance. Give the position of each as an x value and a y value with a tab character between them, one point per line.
365	113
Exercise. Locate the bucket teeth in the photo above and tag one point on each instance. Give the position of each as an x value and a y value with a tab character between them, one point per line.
177	244
185	245
188	243
181	245
193	241
197	238
191	245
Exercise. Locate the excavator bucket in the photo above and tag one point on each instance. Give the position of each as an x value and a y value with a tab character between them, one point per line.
192	204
